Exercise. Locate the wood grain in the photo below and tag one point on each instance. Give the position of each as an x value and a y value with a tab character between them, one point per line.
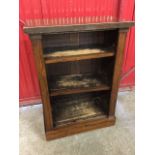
79	127
117	69
68	106
75	28
39	61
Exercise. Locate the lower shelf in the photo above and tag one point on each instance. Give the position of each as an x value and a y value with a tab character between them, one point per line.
76	83
74	108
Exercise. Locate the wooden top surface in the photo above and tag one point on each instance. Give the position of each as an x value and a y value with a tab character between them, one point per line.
45	29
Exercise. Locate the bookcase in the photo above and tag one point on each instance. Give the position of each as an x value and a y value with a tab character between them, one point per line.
79	69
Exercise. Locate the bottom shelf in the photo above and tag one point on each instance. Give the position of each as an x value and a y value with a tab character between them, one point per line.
73	108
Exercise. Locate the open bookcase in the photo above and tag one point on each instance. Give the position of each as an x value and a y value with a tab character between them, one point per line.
79	68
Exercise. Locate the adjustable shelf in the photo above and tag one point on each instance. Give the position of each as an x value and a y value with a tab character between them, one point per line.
77	83
79	68
77	54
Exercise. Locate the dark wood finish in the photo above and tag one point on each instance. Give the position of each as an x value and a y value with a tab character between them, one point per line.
94	66
79	40
79	46
39	61
79	69
77	83
72	108
75	28
117	69
82	76
78	127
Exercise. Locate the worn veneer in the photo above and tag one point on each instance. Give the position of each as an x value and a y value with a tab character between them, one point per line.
79	69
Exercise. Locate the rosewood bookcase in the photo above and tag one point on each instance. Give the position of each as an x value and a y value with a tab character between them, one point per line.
79	69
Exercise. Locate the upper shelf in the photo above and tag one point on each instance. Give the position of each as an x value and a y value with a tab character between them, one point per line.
46	29
75	55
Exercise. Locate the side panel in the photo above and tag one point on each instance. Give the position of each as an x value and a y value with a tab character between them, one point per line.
39	61
117	69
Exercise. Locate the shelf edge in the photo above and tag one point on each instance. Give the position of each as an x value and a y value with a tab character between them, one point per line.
80	90
77	58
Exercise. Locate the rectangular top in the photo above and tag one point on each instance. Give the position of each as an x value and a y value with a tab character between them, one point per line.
32	30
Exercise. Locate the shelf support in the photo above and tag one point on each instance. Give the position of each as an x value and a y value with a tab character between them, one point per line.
40	65
122	33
